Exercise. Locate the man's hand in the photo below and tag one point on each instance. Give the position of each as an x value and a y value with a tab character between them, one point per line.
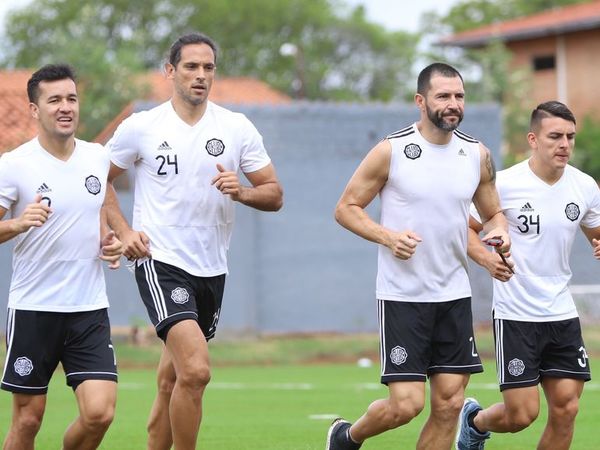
228	183
34	215
136	245
111	250
403	245
502	234
498	268
596	244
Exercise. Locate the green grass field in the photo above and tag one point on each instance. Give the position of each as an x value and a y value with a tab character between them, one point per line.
286	406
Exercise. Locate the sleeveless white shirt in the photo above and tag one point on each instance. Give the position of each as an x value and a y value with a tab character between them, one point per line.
429	190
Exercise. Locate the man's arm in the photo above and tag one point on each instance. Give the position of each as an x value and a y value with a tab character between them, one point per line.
487	202
368	180
593	235
478	252
34	215
135	243
265	193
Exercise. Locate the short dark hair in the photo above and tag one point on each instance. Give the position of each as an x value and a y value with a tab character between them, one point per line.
437	68
189	39
49	72
550	109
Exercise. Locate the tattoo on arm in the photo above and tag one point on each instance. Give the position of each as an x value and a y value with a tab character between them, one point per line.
489	165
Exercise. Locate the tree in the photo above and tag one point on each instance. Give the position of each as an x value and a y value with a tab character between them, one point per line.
338	56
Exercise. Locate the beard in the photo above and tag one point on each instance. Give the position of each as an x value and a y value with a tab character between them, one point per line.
438	119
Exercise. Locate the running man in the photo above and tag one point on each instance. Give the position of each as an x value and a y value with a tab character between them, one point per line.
536	325
427	175
187	153
54	187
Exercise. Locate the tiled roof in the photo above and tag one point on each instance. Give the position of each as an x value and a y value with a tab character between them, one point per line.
568	19
16	125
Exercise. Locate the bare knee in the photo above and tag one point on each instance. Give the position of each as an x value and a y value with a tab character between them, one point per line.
98	419
194	377
566	412
28	422
447	408
400	412
165	382
521	419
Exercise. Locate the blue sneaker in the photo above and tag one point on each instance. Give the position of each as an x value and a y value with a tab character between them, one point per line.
466	437
337	437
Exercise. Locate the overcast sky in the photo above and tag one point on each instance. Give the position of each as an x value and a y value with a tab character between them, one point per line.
401	15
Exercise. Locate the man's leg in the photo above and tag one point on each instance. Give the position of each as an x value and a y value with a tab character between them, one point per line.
159	424
96	400
520	408
447	396
562	395
28	411
188	350
406	400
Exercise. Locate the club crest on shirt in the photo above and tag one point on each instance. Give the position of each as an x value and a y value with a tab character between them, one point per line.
23	366
180	295
516	367
215	147
398	355
572	212
412	151
93	185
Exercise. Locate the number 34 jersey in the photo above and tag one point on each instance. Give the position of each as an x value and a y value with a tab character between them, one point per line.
543	220
188	220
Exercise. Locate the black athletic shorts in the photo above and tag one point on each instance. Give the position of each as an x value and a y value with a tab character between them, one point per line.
420	339
528	351
171	295
37	341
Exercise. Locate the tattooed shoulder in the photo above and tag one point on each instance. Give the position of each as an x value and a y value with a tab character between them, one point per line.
489	164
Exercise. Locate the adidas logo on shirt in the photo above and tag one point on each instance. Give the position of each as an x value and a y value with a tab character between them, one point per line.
43	189
527	207
461	152
164	146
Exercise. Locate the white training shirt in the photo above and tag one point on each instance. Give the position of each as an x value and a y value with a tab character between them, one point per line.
188	220
543	220
56	267
429	190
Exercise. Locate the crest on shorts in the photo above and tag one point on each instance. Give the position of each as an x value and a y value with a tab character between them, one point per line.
572	212
92	184
516	367
23	366
180	295
215	147
398	355
412	151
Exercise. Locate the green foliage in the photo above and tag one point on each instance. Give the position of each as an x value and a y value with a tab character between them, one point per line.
587	147
339	55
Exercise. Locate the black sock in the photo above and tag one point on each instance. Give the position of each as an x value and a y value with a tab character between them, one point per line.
471	421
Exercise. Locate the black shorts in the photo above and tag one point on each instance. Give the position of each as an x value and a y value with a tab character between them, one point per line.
37	341
171	295
420	339
528	351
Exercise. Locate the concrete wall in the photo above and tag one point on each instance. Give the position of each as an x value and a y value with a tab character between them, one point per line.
297	270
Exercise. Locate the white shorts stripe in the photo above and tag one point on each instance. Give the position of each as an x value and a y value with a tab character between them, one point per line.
381	317
499	350
155	290
10	331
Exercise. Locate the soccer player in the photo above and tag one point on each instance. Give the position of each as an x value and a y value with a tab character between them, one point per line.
536	325
186	153
54	187
426	174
